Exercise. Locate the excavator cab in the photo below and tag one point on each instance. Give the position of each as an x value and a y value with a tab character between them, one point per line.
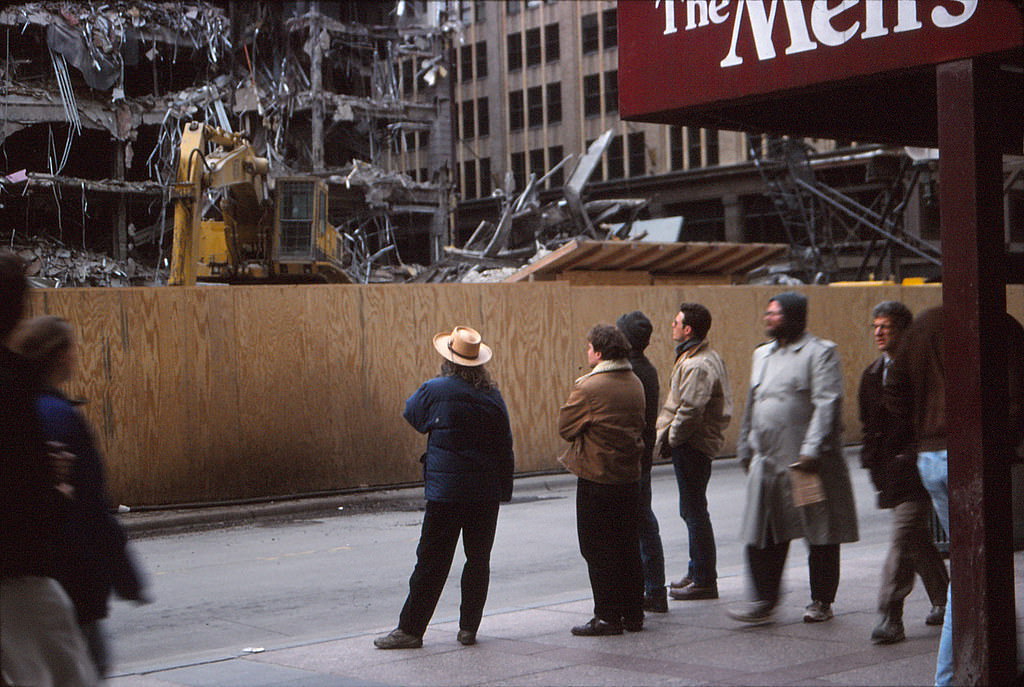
304	242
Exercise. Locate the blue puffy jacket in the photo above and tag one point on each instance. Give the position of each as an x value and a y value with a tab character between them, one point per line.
469	446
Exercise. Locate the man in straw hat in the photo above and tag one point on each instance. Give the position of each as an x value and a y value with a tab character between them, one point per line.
603	419
467	471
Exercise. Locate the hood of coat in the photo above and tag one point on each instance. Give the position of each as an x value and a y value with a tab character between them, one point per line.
637	328
794	311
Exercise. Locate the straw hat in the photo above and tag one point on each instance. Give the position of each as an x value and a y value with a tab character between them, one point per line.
463	347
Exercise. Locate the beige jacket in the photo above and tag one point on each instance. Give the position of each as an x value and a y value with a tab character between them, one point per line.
603	421
698	407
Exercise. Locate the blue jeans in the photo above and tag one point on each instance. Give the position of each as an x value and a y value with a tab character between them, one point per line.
652	555
693	471
935	476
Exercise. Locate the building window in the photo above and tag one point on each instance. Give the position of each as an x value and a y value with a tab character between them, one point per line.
616	159
466	63
611	91
469	185
554	93
513	7
535	106
485	177
519	170
711	147
479	10
675	147
424	176
481	60
515	111
483	117
537	162
611	28
693	147
468	120
591	40
424	139
552	49
637	154
515	52
555	156
592	95
755	145
532	47
407	77
465	11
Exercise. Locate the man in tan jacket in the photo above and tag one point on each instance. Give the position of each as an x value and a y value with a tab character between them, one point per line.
603	419
690	428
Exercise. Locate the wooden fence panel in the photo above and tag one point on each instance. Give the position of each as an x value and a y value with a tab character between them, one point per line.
223	393
528	327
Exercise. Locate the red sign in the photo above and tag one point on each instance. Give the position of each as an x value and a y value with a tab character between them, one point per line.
677	54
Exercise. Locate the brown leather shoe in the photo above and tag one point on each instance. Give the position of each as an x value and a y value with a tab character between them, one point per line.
679	584
467	638
936	616
695	592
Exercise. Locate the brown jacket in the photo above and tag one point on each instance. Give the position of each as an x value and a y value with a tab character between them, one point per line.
603	419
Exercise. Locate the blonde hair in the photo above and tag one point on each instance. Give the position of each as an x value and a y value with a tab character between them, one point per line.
42	339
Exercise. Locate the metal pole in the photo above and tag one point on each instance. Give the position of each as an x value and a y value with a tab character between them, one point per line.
974	299
316	87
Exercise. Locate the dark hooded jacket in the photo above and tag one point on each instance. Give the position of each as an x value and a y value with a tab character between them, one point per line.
637	328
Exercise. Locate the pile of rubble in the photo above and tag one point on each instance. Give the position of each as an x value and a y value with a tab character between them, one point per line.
50	265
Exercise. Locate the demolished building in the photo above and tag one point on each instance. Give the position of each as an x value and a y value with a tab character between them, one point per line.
95	97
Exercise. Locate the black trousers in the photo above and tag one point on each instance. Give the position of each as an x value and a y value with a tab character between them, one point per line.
442	523
607	522
766	566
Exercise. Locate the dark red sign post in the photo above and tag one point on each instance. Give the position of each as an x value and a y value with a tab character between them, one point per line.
945	73
974	300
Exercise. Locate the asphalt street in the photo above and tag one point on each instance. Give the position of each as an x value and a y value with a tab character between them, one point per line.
343	572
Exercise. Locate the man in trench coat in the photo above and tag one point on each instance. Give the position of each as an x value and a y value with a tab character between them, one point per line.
792	423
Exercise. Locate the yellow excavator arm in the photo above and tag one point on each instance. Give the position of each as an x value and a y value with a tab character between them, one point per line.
213	158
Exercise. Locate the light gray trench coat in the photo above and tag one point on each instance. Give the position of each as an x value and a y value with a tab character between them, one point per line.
794	409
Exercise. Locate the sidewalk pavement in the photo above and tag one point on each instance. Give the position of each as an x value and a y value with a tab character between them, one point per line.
694	644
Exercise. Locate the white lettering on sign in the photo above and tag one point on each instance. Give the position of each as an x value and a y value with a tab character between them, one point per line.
828	24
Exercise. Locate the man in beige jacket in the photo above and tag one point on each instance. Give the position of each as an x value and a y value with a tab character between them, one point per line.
603	419
690	428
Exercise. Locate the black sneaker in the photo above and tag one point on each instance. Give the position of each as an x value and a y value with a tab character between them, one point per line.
656	604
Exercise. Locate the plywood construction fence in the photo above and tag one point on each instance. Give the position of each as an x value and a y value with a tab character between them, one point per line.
216	393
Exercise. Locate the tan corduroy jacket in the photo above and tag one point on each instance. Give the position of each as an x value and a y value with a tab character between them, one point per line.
698	406
603	421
